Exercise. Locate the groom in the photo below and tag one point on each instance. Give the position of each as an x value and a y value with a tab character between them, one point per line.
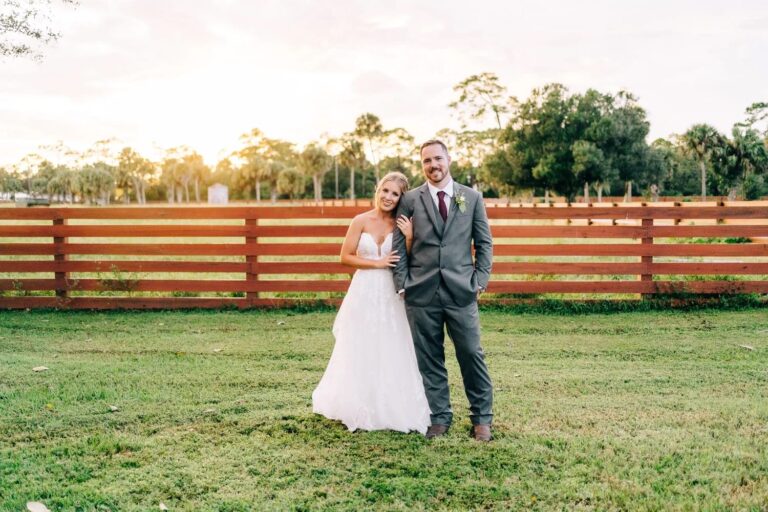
440	283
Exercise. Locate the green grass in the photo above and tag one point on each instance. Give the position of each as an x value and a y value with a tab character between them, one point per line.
604	411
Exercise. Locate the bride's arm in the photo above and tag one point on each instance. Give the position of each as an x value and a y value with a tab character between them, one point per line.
349	248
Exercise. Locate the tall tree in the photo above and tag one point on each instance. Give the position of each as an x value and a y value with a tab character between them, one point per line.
248	175
333	147
702	141
368	129
538	143
57	188
10	182
481	96
679	172
314	162
471	149
271	175
262	159
195	171
47	178
182	167
399	144
170	176
27	167
253	164
291	181
59	181
96	182
755	114
626	146
135	170
590	166
26	26
46	172
352	157
103	150
739	158
223	172
279	155
562	142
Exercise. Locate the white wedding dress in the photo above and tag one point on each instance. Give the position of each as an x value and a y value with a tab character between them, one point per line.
372	381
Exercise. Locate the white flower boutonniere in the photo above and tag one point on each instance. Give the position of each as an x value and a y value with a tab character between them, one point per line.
461	201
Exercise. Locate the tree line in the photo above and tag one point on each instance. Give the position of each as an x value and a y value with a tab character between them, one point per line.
554	142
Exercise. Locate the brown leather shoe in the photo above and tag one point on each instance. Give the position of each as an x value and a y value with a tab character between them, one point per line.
436	431
481	433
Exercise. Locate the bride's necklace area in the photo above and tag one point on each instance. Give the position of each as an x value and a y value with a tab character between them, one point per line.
375	238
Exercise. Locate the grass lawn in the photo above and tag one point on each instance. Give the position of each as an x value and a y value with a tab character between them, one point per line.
614	411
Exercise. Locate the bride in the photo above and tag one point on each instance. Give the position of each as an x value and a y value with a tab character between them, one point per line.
372	381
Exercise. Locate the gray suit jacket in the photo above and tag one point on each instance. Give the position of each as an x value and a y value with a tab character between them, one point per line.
443	251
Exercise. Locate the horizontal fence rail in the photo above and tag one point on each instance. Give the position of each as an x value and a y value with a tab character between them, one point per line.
252	256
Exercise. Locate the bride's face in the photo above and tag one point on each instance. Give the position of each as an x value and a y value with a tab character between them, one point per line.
389	196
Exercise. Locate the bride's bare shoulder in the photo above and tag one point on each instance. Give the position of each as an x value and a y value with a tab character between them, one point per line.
362	218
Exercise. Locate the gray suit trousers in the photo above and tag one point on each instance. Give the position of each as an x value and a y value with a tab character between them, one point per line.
463	326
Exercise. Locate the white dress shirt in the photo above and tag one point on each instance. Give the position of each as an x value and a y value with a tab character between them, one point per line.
448	189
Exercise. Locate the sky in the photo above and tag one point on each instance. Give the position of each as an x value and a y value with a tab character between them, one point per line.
155	74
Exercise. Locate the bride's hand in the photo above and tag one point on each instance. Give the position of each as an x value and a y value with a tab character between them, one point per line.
405	226
389	261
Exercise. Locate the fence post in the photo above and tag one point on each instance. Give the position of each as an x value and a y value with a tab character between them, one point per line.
61	278
252	260
647	260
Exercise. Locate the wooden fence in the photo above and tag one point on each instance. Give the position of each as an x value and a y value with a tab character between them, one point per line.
264	256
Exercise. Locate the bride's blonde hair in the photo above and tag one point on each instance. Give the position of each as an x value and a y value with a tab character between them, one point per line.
395	176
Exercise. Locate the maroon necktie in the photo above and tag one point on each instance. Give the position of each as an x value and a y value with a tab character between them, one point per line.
441	205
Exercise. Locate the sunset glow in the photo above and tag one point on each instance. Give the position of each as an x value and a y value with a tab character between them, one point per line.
160	74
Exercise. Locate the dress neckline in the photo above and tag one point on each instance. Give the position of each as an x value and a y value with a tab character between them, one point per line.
374	239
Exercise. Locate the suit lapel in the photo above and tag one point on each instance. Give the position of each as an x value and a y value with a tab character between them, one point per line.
429	205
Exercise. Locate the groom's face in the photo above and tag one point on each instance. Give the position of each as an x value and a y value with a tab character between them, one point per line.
436	164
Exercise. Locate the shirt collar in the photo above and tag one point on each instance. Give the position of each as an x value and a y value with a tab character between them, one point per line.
448	189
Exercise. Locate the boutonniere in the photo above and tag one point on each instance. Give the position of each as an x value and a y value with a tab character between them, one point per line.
461	201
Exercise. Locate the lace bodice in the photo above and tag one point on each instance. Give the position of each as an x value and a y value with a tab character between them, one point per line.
368	249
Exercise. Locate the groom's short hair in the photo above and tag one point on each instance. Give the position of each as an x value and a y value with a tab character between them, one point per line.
432	142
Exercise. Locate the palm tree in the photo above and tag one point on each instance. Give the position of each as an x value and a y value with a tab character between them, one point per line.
314	161
279	155
249	174
170	177
195	171
741	157
352	157
701	141
291	181
271	174
56	188
96	182
62	184
134	171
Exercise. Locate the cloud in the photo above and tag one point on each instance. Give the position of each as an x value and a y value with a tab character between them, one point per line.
375	82
203	72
